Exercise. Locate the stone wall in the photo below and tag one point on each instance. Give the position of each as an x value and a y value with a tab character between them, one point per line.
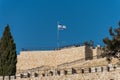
108	72
32	59
73	63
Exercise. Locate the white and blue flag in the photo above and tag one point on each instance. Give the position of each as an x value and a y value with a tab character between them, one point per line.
61	27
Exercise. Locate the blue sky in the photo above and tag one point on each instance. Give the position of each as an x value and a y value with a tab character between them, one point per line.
34	22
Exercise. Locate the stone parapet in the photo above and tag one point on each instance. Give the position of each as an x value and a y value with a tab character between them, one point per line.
92	73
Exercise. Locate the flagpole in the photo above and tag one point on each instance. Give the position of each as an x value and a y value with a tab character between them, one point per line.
58	44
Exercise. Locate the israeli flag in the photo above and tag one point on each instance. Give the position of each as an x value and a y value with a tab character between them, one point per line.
61	27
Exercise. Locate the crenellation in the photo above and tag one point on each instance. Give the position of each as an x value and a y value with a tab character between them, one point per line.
87	72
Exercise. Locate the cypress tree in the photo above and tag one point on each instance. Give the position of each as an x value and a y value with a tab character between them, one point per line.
8	56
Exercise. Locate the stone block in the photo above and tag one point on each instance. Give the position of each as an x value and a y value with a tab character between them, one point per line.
78	71
98	69
104	68
86	70
18	76
69	71
1	77
6	78
111	68
61	72
12	77
93	69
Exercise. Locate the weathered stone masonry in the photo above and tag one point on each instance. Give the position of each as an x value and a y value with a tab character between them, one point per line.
73	63
33	59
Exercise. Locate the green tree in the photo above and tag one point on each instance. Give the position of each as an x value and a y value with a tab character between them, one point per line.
112	45
8	56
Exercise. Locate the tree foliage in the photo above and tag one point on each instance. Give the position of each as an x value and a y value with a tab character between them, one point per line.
89	43
112	48
8	56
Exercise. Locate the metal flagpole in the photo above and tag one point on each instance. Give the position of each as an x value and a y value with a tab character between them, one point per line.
58	44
